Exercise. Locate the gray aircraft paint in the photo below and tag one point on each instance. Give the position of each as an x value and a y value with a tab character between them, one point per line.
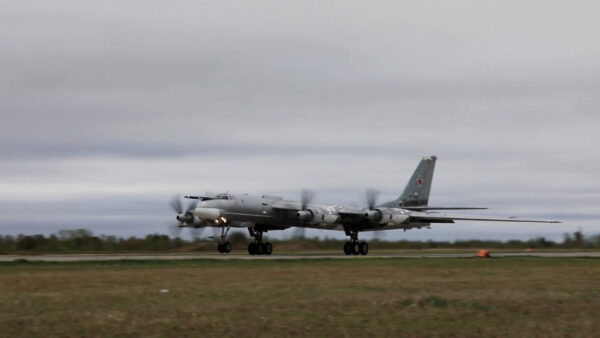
266	212
418	187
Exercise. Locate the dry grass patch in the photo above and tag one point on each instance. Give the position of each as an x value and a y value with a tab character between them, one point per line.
363	297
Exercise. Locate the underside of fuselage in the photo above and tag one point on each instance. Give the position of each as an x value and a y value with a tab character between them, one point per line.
283	222
267	213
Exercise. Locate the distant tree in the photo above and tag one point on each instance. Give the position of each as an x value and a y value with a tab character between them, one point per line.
76	233
568	241
541	242
25	243
594	241
83	240
54	243
578	239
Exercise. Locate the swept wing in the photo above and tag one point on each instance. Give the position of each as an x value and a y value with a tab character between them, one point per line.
425	208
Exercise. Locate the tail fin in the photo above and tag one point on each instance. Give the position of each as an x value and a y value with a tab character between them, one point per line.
417	189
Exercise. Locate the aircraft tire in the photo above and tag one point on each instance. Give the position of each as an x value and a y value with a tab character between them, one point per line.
348	248
355	248
227	247
364	248
252	248
260	248
268	248
220	248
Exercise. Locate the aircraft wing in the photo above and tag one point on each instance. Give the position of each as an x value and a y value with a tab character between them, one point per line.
343	211
285	205
351	211
202	198
445	218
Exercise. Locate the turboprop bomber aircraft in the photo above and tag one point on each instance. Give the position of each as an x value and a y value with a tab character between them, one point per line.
260	214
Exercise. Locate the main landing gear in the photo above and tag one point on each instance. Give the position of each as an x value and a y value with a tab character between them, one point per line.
258	247
354	247
224	245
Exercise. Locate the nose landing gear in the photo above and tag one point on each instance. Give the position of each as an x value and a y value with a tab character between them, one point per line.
224	246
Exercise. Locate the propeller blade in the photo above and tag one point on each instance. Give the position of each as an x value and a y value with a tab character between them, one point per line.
175	230
176	204
192	206
196	233
379	235
372	196
306	197
216	233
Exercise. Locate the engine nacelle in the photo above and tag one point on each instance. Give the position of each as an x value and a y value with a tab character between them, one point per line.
373	215
186	217
395	219
330	219
304	215
209	213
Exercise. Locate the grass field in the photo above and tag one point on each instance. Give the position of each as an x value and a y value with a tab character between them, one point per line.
497	297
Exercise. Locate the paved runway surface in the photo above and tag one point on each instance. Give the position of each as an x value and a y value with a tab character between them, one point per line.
115	257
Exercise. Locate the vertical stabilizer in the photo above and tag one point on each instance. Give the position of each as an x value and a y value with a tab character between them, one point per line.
418	187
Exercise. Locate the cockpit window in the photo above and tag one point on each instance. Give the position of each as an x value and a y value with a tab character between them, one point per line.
222	197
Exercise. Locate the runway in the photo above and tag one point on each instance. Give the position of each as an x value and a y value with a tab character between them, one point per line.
240	256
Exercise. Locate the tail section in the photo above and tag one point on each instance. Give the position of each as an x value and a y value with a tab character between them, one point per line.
417	190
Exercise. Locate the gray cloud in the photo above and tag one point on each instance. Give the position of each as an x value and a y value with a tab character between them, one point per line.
119	103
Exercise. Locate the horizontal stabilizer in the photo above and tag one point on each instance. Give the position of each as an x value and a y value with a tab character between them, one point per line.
425	208
443	218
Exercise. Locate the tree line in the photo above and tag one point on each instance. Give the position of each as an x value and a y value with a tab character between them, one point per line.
82	240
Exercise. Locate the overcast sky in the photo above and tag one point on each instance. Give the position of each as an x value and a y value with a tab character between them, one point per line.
110	108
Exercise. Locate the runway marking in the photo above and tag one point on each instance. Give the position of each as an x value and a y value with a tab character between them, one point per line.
116	257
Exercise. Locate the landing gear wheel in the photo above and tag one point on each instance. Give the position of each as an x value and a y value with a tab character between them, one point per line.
268	248
252	248
226	247
223	246
363	248
260	248
348	248
355	248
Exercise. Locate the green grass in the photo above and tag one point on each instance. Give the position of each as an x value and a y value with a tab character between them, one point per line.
460	297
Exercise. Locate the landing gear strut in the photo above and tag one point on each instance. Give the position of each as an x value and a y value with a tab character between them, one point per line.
258	247
354	247
224	245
